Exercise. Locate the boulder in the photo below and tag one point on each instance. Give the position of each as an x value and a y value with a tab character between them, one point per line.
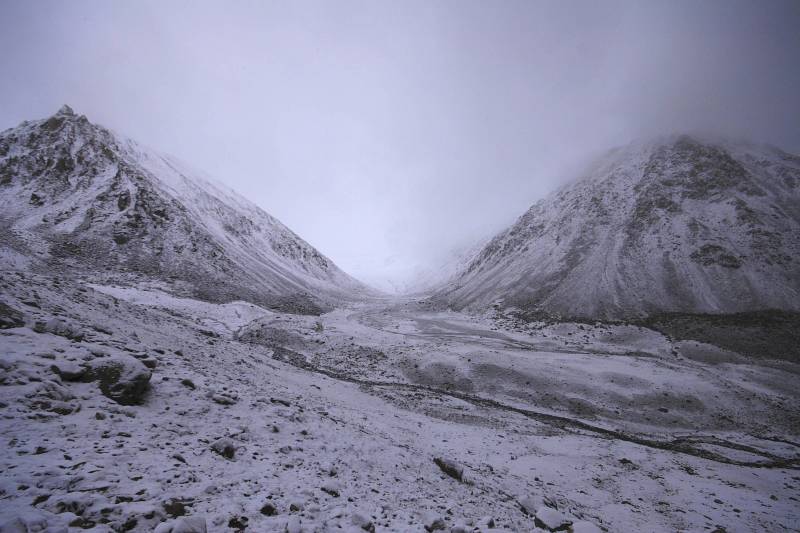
224	447
10	318
238	523
69	371
122	378
529	505
190	524
174	507
362	521
60	327
28	522
450	467
332	488
551	519
268	509
149	362
223	398
433	522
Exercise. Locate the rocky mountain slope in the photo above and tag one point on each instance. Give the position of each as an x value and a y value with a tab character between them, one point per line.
74	195
675	225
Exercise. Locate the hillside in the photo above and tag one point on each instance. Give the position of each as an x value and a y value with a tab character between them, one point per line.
75	196
677	225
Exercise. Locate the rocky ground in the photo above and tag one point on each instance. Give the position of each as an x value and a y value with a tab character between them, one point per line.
128	409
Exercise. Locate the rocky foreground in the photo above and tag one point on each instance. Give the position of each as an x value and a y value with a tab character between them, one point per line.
124	408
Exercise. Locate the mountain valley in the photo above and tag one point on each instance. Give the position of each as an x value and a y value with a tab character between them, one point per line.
174	359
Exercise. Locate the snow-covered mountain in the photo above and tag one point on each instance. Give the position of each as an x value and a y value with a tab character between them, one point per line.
673	225
76	195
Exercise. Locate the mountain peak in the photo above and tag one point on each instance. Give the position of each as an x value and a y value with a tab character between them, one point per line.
66	111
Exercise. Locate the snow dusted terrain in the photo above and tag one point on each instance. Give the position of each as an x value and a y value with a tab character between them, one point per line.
172	359
260	421
674	225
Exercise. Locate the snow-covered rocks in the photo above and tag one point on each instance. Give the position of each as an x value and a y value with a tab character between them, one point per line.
362	521
450	467
122	378
224	447
433	521
10	317
51	397
529	504
268	509
583	526
189	524
29	523
551	519
60	327
273	337
332	488
223	398
69	370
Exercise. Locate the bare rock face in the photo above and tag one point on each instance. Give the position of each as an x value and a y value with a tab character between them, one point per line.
678	225
122	378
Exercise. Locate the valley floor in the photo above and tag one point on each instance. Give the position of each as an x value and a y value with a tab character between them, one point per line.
383	416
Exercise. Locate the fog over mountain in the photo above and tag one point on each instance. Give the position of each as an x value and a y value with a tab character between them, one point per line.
583	219
388	135
676	224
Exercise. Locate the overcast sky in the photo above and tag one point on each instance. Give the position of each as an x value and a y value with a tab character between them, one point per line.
389	133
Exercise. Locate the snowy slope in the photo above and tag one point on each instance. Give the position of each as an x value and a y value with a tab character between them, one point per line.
255	421
678	224
74	194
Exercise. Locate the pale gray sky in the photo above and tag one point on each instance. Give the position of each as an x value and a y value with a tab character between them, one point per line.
387	133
